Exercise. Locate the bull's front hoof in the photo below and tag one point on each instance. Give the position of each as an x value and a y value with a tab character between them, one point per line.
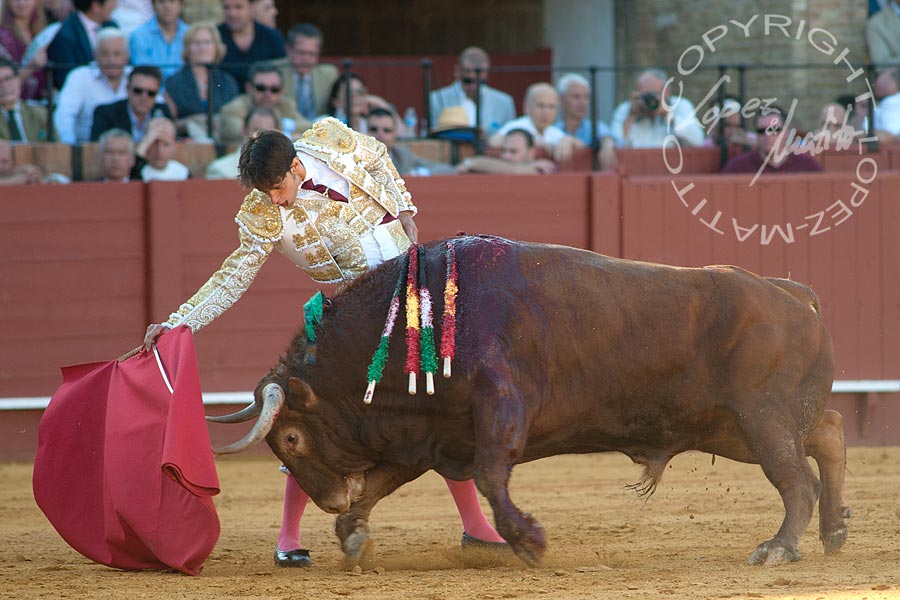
834	540
358	549
773	553
531	547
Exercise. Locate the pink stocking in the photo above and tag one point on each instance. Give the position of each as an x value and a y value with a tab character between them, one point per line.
295	500
473	519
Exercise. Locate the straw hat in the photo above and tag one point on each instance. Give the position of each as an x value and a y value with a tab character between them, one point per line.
452	117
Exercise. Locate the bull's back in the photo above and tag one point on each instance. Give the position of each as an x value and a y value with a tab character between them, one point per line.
634	352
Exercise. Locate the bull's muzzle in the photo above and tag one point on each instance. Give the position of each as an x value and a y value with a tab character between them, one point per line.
344	496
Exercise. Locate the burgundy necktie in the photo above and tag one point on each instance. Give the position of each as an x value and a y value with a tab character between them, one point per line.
324	190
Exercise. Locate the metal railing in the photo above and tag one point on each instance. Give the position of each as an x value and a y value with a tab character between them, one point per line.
591	72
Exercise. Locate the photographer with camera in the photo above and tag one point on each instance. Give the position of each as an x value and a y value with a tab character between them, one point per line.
652	113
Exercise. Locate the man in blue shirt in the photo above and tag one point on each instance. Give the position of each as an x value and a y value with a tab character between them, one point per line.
160	41
575	102
246	41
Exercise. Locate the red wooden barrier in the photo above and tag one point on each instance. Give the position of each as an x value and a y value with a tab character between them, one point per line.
85	267
653	161
847	254
73	278
893	152
537	208
849	160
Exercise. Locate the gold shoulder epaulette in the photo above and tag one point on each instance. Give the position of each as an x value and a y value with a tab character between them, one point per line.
260	218
332	134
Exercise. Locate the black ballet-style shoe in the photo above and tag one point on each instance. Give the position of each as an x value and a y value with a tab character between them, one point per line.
293	558
473	542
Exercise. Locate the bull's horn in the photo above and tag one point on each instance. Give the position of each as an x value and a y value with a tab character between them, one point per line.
273	400
245	414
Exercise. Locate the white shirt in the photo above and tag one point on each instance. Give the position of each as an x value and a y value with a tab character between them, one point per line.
91	27
224	167
173	171
321	174
551	136
85	88
651	133
887	114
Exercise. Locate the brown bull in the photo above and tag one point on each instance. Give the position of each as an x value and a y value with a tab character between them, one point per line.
565	351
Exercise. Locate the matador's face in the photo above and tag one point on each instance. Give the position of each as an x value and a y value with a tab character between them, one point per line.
285	191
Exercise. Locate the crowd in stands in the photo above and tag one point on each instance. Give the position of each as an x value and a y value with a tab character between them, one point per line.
134	77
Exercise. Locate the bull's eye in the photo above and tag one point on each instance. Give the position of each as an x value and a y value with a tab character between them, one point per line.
292	438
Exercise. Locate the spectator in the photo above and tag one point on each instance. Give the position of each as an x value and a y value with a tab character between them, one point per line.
10	174
652	113
135	112
22	122
771	154
541	103
883	34
575	99
832	118
732	128
246	41
56	11
160	41
187	90
518	156
265	12
116	156
20	22
361	102
309	83
91	85
155	155
887	113
131	14
264	88
497	108
76	41
382	125
856	111
226	167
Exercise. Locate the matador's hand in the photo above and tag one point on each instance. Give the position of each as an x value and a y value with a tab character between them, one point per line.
153	332
409	226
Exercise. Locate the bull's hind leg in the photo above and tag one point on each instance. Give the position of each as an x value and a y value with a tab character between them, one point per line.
826	445
501	430
781	455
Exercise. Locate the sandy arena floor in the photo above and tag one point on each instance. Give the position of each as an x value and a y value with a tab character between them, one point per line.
690	540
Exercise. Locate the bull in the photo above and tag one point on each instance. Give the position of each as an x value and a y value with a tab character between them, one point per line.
562	351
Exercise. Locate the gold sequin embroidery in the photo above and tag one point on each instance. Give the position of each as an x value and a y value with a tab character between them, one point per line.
260	217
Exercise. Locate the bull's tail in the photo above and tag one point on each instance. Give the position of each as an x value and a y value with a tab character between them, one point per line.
799	291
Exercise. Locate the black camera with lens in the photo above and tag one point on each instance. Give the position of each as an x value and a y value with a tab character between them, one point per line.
650	101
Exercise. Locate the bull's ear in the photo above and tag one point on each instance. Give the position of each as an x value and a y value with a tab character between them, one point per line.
302	395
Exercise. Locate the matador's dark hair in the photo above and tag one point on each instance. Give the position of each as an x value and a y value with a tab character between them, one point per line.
266	158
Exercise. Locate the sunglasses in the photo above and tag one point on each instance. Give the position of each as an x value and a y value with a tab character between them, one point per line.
139	91
471	80
769	130
265	88
381	129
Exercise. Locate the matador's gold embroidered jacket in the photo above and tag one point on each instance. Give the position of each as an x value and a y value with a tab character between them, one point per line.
319	235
